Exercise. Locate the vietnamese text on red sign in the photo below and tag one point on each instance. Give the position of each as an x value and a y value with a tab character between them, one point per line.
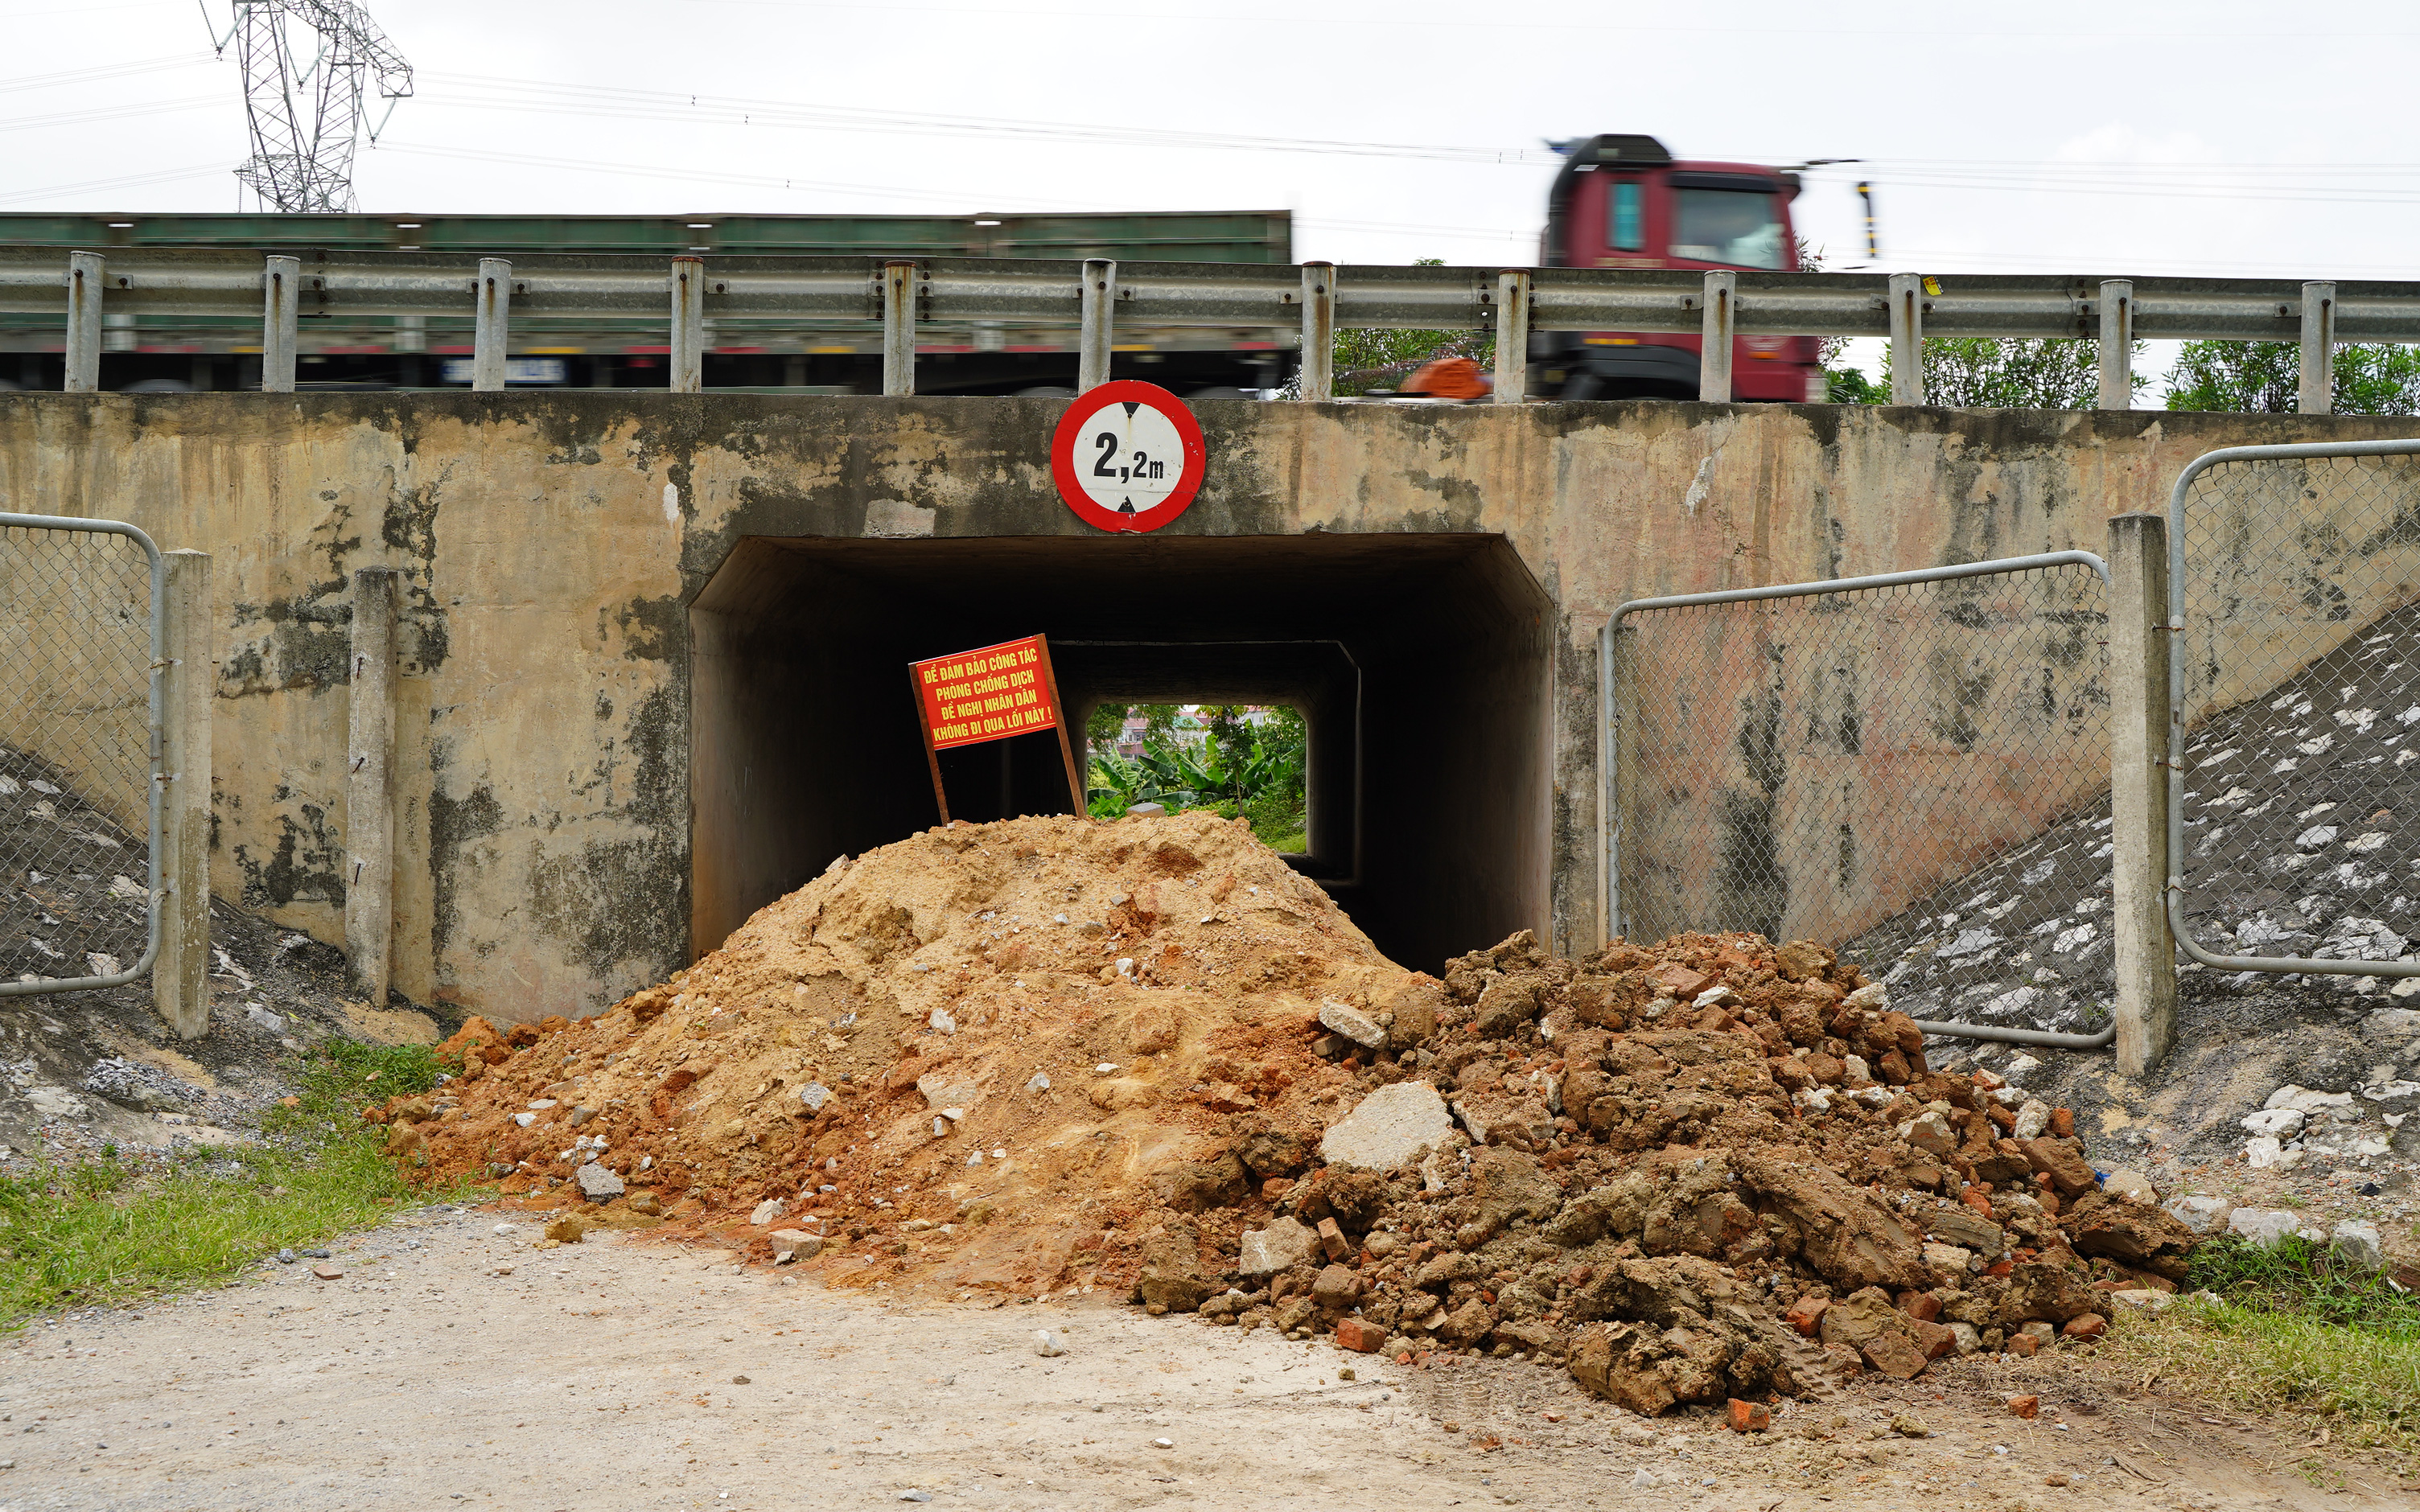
987	694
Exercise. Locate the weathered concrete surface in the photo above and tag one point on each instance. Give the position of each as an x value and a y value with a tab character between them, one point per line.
550	547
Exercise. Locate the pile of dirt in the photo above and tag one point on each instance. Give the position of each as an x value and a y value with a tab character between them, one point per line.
1145	1055
980	1056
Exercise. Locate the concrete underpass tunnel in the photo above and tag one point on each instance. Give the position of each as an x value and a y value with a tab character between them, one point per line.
1421	664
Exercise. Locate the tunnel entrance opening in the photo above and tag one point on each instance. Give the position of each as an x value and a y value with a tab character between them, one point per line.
1421	664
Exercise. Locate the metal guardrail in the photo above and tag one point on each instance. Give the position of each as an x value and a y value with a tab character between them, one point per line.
83	634
1751	858
2312	572
1099	294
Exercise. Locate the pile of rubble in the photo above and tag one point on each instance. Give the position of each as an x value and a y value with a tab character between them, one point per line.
1707	1169
1145	1055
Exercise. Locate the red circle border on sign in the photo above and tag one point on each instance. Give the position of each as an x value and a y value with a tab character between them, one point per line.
1071	427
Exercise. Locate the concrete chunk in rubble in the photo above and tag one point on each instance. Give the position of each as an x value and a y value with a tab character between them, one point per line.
1353	1024
2277	1123
598	1184
2132	1185
2203	1215
1280	1246
2358	1242
1389	1128
2263	1225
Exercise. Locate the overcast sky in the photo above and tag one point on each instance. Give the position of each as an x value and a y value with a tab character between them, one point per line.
2213	137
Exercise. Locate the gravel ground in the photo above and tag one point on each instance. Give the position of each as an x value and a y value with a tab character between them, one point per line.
608	1375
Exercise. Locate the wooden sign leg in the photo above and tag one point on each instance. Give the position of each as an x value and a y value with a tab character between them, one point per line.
932	757
1076	803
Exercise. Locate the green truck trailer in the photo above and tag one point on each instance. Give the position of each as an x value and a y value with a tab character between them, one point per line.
162	354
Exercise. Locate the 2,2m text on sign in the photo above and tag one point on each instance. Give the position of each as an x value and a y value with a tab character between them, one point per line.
989	694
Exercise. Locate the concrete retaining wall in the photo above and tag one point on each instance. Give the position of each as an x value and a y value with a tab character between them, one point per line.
551	546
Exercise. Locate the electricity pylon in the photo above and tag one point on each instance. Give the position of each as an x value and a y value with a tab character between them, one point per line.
307	104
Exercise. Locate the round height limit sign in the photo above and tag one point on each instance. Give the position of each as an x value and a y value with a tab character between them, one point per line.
1127	456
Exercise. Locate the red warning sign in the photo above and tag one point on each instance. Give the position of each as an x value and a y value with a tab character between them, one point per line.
990	694
1127	456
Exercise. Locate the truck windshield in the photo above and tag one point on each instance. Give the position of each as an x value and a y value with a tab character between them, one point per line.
1725	225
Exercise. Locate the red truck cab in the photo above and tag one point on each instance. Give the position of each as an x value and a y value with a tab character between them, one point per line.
1623	202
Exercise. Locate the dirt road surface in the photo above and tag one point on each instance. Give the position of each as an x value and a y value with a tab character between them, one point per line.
621	1372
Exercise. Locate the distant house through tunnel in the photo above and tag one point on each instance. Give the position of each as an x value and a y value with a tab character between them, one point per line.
1421	664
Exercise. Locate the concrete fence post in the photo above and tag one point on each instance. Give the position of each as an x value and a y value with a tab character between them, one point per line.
1714	338
180	972
369	770
491	335
899	327
2315	395
1100	303
2145	1005
1907	338
2117	343
689	325
1318	332
86	272
1512	335
281	302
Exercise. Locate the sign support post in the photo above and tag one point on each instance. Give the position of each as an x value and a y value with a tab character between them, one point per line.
931	754
1067	750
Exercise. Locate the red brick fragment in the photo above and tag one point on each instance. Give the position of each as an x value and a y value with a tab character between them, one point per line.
1750	1417
1360	1335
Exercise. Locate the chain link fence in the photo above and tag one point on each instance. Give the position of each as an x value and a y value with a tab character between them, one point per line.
81	631
2294	812
1912	767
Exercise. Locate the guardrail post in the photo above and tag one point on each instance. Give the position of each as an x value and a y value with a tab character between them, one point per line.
180	972
1907	338
1715	339
899	327
86	272
2144	1004
281	302
1318	368
491	335
2117	343
1512	335
369	766
1100	307
689	325
2315	394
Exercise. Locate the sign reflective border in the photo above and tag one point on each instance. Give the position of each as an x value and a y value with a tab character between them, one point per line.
1127	456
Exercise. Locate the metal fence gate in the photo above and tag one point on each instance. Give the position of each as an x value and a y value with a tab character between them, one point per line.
1912	767
2293	792
83	635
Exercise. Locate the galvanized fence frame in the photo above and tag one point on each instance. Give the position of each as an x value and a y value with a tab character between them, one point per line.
153	752
1608	738
2173	759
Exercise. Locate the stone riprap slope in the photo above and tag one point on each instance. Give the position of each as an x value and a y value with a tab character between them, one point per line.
2297	842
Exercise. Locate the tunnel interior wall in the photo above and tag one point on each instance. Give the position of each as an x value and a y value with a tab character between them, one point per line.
1421	661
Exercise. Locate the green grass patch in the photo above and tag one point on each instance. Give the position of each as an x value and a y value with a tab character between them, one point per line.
2290	1328
2296	1276
112	1230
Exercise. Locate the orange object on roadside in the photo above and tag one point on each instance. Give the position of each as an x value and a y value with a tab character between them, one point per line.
1449	378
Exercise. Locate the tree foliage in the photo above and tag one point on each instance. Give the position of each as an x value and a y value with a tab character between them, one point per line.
1235	767
1373	358
2262	376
